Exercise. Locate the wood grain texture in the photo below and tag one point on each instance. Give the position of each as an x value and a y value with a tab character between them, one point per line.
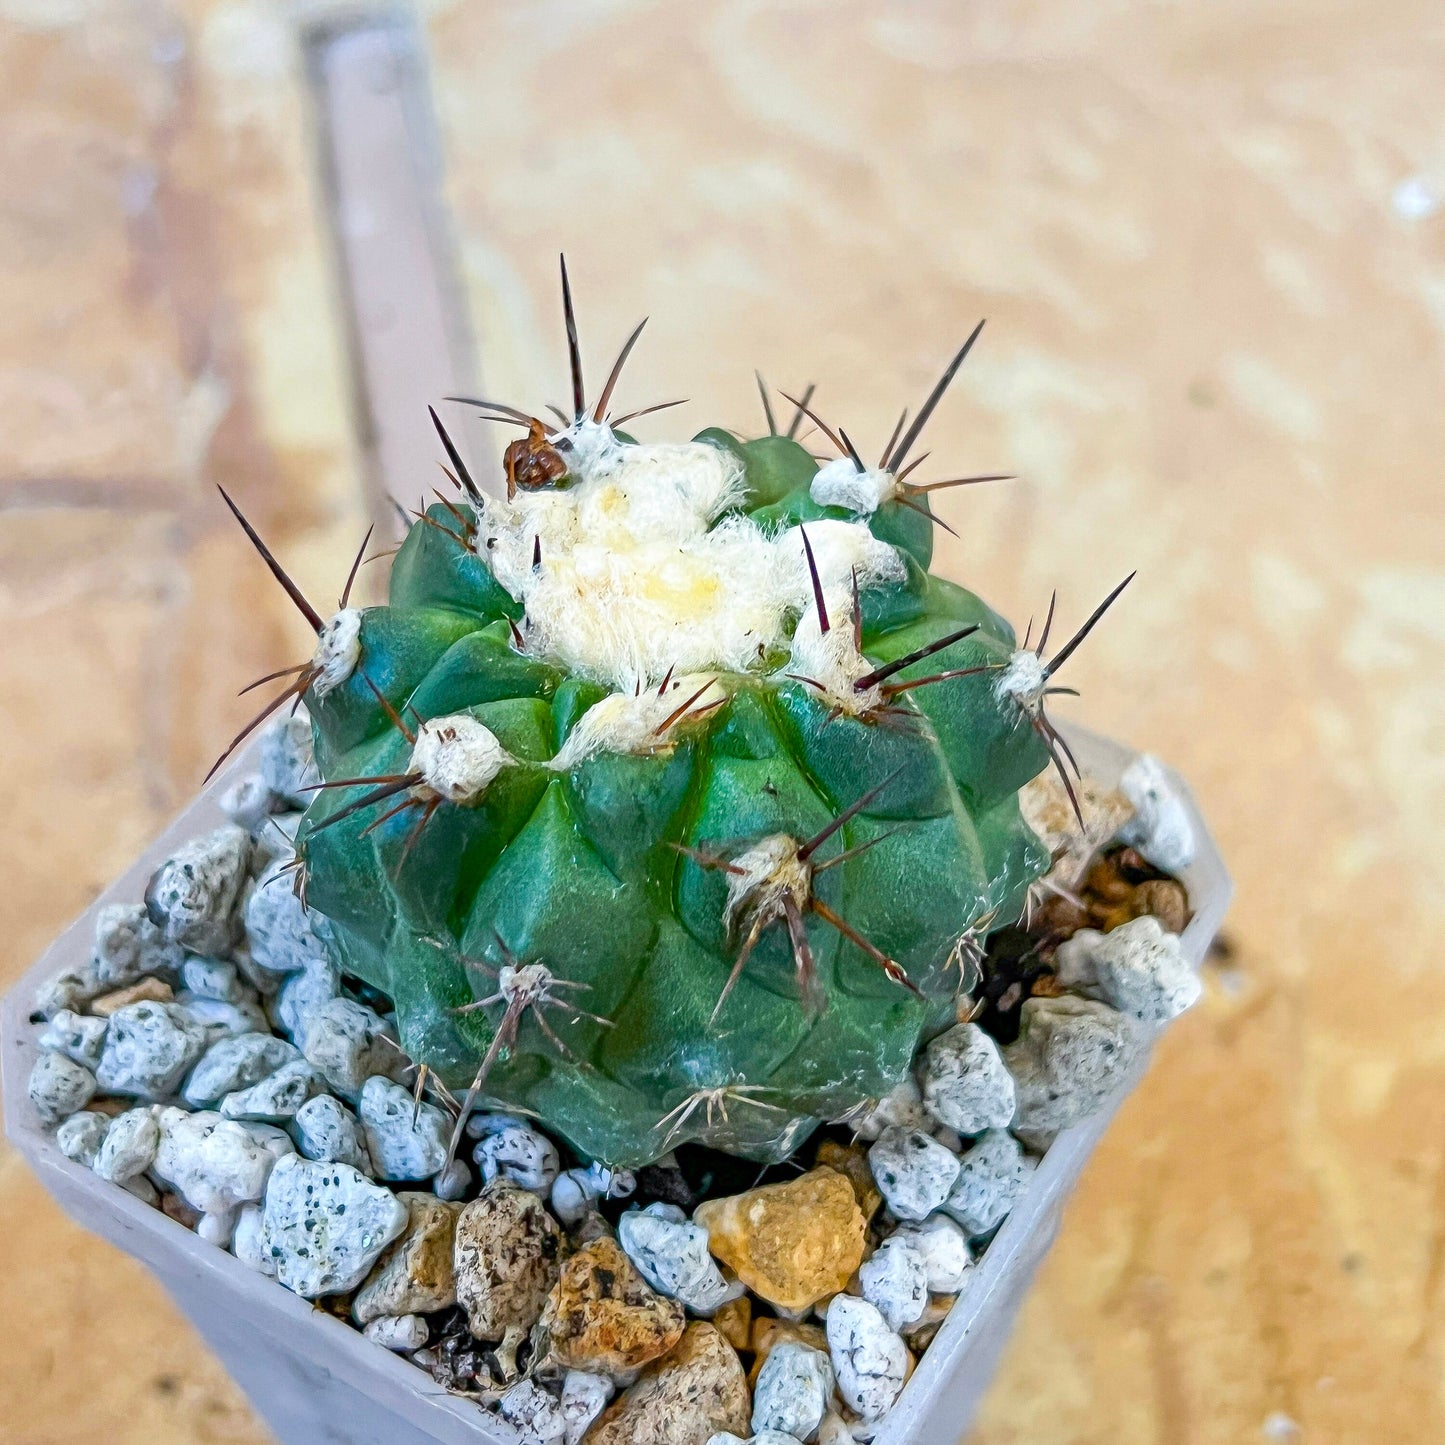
1214	352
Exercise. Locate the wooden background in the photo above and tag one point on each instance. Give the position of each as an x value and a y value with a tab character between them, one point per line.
1207	242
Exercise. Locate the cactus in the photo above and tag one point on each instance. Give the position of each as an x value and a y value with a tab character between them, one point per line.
669	797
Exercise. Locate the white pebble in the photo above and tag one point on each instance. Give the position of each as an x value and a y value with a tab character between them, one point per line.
220	1019
149	1047
965	1084
72	989
305	994
991	1179
130	1145
480	1125
129	945
81	1135
895	1279
248	802
452	1183
792	1391
215	1164
275	839
672	1256
943	1247
573	1196
913	1171
78	1036
235	1063
584	1398
246	1241
616	1183
902	1108
265	984
1160	828
278	1097
576	1191
763	1437
533	1413
279	927
326	1131
143	1190
1071	1056
1137	968
869	1359
193	896
59	1086
349	1044
325	1225
212	978
402	1333
287	758
217	1229
524	1156
405	1140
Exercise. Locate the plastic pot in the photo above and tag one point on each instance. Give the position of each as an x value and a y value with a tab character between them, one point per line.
314	1379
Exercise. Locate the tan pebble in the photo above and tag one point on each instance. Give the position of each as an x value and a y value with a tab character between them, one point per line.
769	1331
1107	917
1107	882
1058	915
145	990
417	1274
790	1243
1166	900
593	1225
692	1394
851	1161
1048	809
505	1256
734	1321
919	1335
603	1317
174	1207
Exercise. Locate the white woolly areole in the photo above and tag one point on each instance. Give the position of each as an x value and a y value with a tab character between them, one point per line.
840	484
831	659
764	873
526	982
633	580
1024	679
338	650
632	722
589	446
458	757
839	550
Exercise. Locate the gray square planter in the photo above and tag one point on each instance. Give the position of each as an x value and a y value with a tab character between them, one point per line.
315	1380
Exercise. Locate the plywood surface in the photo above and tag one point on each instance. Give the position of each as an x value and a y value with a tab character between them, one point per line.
1206	242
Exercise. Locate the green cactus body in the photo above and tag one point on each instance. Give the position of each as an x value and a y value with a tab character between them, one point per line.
634	767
